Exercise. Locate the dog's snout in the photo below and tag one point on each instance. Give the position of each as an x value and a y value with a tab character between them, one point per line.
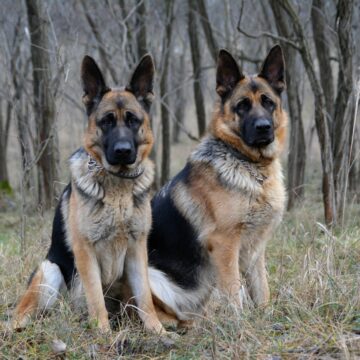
123	148
262	125
121	152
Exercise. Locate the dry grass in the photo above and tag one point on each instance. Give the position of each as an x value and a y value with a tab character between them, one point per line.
314	313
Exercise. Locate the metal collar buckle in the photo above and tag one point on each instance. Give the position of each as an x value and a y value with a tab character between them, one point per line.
93	165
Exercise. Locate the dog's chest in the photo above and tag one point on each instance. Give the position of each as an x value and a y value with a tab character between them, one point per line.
111	226
265	210
236	210
109	219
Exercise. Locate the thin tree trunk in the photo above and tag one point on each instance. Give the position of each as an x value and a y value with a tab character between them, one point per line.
100	42
344	114
25	150
206	25
328	187
165	115
322	45
196	61
131	55
4	134
141	24
180	98
297	150
44	104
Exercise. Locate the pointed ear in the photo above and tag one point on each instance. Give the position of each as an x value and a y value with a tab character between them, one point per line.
273	69
142	81
227	74
93	83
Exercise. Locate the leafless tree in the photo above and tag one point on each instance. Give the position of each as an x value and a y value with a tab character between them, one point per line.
322	40
44	103
165	115
5	118
297	149
196	62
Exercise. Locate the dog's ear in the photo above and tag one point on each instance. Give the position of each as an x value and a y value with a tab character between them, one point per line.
93	83
142	81
228	74
273	69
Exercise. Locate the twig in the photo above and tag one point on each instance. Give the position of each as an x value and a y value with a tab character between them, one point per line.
265	33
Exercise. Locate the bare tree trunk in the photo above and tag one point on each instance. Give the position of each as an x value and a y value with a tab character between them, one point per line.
102	51
141	24
24	141
297	149
180	98
322	44
44	104
4	135
328	187
344	114
165	115
130	50
196	61
206	25
354	176
19	70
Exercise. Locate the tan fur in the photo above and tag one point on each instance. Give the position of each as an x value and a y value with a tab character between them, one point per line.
88	268
106	214
233	202
225	121
40	295
29	302
233	241
110	103
123	254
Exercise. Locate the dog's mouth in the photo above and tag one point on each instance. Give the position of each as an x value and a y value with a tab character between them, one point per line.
259	142
262	142
128	174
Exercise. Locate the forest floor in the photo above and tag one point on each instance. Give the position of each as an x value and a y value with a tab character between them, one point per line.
314	311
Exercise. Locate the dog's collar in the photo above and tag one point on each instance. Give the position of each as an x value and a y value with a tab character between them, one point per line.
129	174
93	166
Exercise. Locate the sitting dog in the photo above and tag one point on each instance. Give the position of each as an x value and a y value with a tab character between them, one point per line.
213	220
103	218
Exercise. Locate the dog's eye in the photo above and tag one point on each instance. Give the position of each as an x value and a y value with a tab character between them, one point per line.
131	120
243	105
267	102
108	121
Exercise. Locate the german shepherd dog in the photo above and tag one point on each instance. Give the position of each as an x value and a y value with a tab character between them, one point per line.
103	218
212	221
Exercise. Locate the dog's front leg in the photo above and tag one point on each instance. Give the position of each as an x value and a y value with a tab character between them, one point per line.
89	271
253	268
224	253
136	265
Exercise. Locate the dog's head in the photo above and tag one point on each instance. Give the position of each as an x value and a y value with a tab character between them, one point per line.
118	135
250	115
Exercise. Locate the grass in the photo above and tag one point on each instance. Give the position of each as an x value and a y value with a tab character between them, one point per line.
314	312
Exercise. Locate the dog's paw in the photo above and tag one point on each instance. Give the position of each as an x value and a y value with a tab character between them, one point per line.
18	324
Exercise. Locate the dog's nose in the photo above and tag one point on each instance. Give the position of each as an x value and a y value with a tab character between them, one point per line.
262	125
122	148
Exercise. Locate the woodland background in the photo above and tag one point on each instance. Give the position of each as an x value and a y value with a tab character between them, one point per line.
42	118
314	258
